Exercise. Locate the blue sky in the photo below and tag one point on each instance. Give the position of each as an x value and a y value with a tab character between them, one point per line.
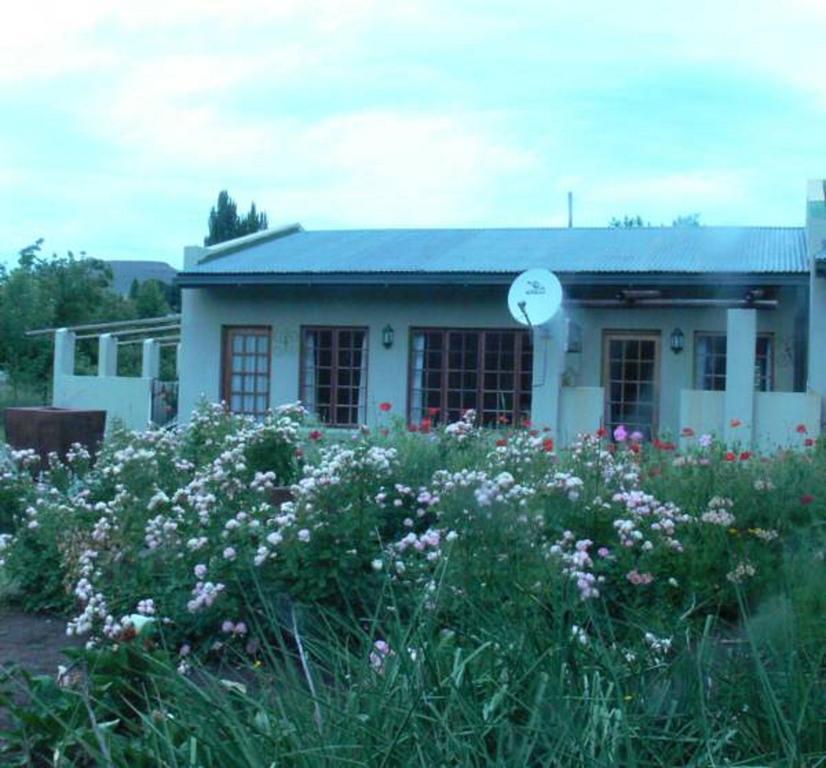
120	124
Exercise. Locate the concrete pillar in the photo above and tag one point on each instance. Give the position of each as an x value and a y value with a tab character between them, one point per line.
178	358
107	355
548	367
816	246
64	361
741	346
151	359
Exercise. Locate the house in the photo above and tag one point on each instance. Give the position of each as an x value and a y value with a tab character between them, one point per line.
718	329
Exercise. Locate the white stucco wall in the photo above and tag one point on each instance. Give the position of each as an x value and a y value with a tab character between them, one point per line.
206	310
124	398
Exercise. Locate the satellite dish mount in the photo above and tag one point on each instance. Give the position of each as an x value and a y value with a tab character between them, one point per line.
535	297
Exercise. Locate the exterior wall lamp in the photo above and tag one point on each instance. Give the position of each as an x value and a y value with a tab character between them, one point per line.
387	335
677	341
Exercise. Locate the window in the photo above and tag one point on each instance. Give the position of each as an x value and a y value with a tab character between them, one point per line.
710	362
334	374
490	371
245	386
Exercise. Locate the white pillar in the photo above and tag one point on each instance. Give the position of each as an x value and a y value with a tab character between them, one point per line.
741	346
64	361
816	246
548	366
107	355
178	361
151	359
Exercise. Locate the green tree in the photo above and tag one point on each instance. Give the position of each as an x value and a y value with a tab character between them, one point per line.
687	220
628	222
51	292
150	300
225	223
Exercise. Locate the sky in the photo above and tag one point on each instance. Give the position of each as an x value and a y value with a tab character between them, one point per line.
121	122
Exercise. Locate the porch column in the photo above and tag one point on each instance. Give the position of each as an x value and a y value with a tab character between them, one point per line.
107	355
548	367
741	344
816	246
63	362
151	359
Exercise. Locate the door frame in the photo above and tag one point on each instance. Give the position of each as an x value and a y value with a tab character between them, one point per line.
642	334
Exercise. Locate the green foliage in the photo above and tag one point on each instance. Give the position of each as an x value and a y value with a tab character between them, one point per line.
452	597
226	224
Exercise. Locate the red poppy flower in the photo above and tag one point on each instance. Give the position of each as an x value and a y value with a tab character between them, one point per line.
548	445
730	456
801	429
807	498
432	411
315	435
809	442
745	455
688	432
504	418
385	406
502	441
602	432
736	423
634	447
426	424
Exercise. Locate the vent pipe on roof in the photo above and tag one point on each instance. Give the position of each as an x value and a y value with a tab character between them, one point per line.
570	210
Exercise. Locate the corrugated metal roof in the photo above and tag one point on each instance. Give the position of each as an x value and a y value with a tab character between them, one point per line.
686	250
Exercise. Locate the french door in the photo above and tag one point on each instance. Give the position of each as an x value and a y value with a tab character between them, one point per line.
245	381
631	363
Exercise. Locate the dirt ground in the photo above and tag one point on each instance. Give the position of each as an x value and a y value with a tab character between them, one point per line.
34	643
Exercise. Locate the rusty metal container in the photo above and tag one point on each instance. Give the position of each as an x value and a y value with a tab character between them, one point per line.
45	429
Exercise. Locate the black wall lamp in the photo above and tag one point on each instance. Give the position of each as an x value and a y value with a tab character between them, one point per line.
677	341
387	334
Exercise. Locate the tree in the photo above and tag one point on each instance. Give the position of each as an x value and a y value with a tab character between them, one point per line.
150	300
628	222
225	224
687	220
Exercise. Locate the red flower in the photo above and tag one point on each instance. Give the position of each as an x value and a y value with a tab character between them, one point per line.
412	427
548	445
634	447
315	435
527	423
730	456
809	442
385	406
688	432
745	455
807	498
801	429
502	441
602	432
504	418
432	411
426	424
736	423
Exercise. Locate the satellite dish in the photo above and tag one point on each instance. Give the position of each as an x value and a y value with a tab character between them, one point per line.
535	297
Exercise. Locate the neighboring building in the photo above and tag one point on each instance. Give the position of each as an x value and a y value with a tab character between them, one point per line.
124	273
662	328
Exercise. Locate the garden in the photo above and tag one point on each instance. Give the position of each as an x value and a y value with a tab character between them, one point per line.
241	593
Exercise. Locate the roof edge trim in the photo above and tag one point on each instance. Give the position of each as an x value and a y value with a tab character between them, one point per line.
240	243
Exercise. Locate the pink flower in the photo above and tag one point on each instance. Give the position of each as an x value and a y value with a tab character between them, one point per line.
385	406
637	436
620	434
200	570
801	429
227	627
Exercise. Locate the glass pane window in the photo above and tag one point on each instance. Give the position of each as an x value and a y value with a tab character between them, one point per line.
246	350
453	371
334	374
710	362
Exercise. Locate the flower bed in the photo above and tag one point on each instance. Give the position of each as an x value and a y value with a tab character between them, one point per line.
614	555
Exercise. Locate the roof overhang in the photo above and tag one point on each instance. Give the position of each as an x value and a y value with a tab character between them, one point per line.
216	279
